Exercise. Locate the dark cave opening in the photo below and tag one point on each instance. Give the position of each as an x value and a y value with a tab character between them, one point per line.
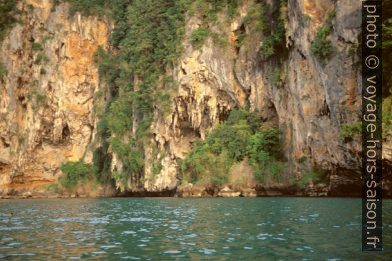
65	133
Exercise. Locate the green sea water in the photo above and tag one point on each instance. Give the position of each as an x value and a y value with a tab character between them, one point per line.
187	229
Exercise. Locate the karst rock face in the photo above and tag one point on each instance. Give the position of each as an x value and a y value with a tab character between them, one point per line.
47	95
47	98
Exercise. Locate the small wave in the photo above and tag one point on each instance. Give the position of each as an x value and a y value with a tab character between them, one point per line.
95	221
22	254
131	257
99	252
128	232
62	220
14	244
207	251
264	234
13	228
108	247
172	252
7	239
190	236
139	219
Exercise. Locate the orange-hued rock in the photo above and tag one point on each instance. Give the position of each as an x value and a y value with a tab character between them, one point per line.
47	101
47	105
317	10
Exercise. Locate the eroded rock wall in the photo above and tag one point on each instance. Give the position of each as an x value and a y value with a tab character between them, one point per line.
46	100
310	104
47	103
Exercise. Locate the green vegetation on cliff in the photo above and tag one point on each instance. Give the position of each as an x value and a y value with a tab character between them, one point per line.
76	173
322	46
145	46
207	11
351	131
199	36
242	136
89	7
132	158
3	70
274	34
387	65
8	17
387	117
8	13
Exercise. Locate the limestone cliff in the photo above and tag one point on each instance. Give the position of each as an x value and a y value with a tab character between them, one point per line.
310	101
48	94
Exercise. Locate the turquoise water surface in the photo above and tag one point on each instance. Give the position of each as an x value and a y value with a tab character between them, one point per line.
187	229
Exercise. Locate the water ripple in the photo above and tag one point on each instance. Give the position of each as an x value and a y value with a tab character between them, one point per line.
170	228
